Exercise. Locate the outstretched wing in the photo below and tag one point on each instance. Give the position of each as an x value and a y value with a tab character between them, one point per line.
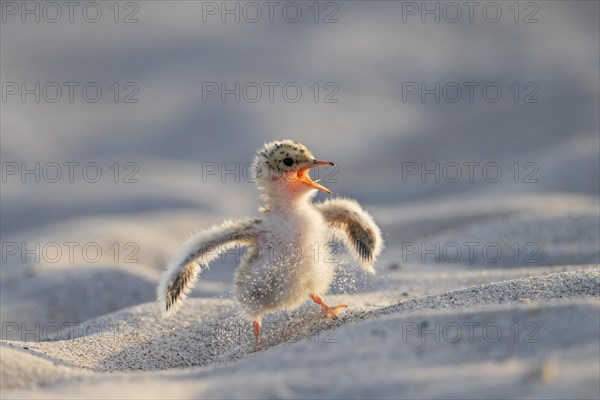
355	228
198	251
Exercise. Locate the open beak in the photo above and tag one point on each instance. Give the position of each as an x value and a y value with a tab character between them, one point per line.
304	176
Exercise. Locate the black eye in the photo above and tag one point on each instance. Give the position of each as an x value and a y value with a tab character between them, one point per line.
288	162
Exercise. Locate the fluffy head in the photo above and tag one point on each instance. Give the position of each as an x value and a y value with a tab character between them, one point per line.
281	170
283	156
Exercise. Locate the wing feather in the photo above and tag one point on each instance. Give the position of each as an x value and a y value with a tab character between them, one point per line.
355	228
198	251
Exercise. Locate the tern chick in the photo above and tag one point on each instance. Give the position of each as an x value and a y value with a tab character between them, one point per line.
288	257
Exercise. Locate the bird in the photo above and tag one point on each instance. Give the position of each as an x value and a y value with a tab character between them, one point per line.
288	255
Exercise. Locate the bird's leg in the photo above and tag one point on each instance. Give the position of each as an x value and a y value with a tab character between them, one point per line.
328	311
256	329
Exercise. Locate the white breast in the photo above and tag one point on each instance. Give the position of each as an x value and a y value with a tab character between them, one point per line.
290	264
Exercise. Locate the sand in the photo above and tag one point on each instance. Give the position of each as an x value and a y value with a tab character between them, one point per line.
535	335
415	330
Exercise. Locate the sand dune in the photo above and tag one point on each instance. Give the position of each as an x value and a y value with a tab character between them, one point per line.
89	329
518	334
76	343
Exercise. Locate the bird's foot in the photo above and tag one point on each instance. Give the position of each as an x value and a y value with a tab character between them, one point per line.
328	311
256	325
333	311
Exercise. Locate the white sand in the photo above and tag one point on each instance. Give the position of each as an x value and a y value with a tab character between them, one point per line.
424	330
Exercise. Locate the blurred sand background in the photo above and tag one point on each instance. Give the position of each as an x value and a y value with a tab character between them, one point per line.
85	325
